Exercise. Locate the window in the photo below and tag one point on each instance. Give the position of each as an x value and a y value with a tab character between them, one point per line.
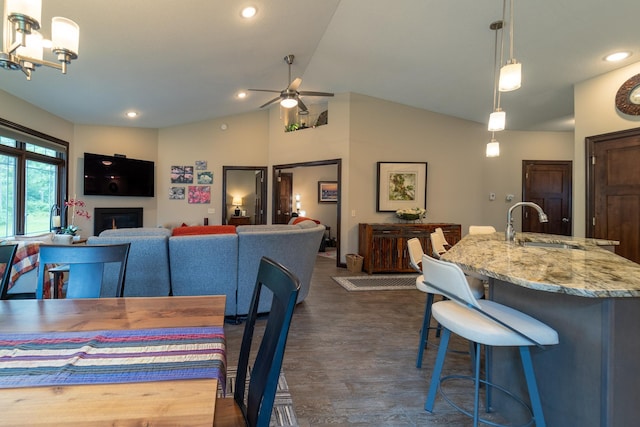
33	176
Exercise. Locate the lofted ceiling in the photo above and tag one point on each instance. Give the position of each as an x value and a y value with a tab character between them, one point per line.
178	62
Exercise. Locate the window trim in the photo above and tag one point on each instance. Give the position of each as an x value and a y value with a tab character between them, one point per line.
25	134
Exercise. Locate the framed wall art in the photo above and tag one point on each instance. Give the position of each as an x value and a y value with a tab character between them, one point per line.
327	191
401	185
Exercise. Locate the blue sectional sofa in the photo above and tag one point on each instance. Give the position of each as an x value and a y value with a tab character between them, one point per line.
214	264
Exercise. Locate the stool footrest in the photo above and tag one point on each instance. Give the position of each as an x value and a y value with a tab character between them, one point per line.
485	384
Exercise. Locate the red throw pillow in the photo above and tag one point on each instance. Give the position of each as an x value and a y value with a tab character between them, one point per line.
304	218
203	229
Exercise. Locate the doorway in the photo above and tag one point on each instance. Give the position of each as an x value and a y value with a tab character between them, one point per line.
548	184
613	190
247	184
308	201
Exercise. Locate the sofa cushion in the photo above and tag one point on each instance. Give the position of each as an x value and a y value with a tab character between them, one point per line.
147	273
203	229
299	219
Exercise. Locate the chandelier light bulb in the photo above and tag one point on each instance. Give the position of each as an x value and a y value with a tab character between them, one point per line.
510	76
497	120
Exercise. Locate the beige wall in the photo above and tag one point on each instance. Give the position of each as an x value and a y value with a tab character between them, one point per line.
135	143
244	142
596	114
362	131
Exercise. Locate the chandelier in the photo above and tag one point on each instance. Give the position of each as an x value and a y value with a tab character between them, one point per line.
23	46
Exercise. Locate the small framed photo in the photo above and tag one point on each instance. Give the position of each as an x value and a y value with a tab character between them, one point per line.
205	178
327	191
401	185
182	174
176	193
201	165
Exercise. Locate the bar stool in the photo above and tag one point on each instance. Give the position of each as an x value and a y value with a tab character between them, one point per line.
416	256
482	322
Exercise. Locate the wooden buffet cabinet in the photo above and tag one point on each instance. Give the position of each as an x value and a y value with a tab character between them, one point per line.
384	246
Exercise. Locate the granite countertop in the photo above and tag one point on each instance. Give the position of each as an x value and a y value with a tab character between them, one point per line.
581	267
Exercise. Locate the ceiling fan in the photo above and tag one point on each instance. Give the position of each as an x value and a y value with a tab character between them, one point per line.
290	97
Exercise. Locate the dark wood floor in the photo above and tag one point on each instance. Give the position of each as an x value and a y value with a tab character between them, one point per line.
350	358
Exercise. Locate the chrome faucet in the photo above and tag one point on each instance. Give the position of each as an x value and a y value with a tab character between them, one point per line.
510	233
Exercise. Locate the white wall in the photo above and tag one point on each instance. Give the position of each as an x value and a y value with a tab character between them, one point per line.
596	114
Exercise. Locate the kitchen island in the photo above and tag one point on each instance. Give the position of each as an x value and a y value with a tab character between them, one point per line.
591	297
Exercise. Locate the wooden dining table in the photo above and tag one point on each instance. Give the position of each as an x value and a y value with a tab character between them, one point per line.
183	402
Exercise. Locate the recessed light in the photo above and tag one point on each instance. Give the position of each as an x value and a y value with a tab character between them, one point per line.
241	95
617	56
249	12
132	114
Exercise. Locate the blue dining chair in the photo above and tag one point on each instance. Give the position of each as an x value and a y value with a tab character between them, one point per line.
263	380
89	268
7	253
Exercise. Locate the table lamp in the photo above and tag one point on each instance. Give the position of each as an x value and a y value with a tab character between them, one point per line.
237	201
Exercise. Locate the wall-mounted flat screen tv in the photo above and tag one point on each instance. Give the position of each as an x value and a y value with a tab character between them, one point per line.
117	176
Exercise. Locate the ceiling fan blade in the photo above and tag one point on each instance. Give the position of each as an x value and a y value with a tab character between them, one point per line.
264	90
301	105
311	93
294	85
270	102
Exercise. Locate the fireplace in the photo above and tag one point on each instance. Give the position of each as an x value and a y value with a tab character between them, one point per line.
108	218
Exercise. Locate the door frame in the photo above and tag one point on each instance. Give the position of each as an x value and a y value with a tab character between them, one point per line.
590	143
338	163
263	189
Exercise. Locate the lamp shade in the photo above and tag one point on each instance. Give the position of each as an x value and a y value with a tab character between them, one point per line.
510	76
65	34
237	201
30	8
493	148
497	120
33	48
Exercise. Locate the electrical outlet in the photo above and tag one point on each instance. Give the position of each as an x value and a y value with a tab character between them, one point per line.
211	210
353	213
492	196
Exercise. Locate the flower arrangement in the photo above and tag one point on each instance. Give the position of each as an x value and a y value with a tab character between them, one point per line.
411	214
77	208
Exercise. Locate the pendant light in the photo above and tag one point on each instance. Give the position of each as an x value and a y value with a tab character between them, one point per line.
493	147
511	72
497	118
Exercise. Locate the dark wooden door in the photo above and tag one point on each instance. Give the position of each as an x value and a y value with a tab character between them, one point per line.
548	184
614	196
283	198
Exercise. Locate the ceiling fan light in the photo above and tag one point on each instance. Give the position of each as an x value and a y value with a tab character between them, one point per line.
289	102
510	76
497	120
493	148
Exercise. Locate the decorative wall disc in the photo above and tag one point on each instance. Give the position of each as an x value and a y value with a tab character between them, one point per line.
628	97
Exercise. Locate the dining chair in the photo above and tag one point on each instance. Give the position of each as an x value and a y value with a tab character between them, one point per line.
254	408
90	268
482	322
440	233
7	252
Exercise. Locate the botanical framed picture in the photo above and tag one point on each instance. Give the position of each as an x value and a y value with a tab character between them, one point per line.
199	194
205	177
182	174
401	185
327	191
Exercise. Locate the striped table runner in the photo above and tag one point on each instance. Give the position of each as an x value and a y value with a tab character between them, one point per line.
112	356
